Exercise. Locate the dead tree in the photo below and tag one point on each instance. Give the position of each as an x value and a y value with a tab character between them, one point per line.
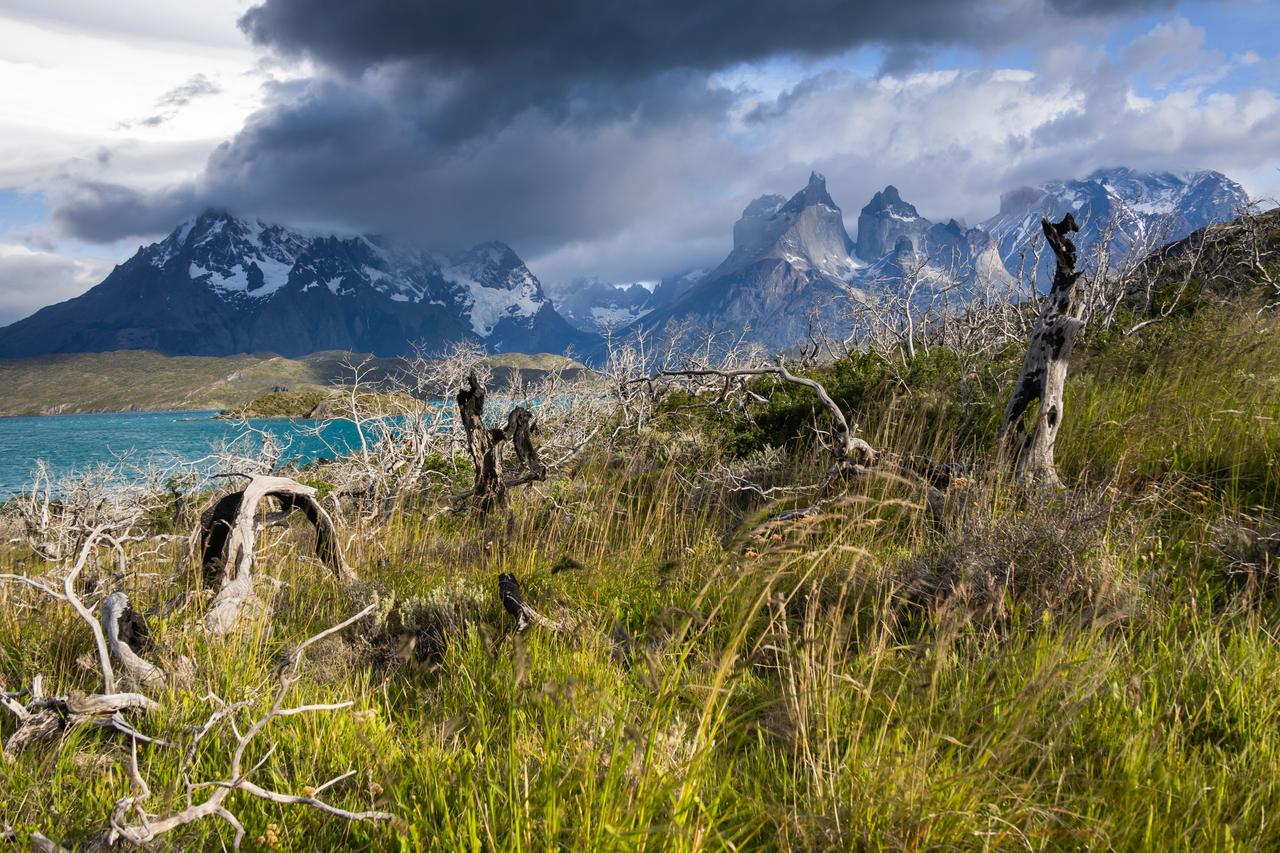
1044	370
484	445
131	823
850	451
231	534
45	716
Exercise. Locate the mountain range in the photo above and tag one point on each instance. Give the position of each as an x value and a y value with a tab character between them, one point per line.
220	284
1144	210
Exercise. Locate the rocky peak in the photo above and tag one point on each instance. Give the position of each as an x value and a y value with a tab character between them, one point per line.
814	193
496	266
884	220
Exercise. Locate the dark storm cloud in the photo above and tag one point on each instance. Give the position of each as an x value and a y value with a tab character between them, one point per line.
626	38
103	212
478	64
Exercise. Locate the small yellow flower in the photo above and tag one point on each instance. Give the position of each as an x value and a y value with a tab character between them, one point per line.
308	791
752	552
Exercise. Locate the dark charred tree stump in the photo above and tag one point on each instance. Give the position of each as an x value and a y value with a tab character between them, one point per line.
1044	370
513	602
483	446
520	428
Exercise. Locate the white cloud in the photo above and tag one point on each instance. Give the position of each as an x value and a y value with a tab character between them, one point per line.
74	89
31	279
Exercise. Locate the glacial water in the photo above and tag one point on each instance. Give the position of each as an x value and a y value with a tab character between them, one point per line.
70	443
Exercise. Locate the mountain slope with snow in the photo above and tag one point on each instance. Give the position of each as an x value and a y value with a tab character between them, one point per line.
1144	210
220	284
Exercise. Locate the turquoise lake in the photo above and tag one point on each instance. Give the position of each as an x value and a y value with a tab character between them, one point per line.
73	442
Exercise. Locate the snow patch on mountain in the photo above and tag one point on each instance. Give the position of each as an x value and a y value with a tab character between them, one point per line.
486	306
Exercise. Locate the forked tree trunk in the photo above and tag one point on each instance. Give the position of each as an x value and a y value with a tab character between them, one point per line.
1044	370
482	445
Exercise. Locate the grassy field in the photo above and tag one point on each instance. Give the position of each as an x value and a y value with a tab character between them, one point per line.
1094	671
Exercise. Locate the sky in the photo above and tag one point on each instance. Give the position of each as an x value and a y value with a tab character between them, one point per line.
610	139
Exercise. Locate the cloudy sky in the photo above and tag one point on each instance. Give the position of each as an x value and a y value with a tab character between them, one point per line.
608	138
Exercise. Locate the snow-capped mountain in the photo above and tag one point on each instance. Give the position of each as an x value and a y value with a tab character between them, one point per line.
1148	209
219	284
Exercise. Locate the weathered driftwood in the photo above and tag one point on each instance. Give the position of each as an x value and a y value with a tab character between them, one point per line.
44	717
240	536
484	446
1044	370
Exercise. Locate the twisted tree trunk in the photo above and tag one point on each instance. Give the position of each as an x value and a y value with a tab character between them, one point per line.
228	543
482	445
1044	370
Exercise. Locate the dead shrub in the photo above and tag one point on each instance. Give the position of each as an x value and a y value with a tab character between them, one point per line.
1250	555
1046	556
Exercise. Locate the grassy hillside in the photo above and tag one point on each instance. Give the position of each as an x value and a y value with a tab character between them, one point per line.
1094	669
140	380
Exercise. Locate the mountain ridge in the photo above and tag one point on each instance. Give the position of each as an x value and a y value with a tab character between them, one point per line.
220	284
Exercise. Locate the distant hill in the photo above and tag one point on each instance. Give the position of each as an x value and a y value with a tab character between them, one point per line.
144	380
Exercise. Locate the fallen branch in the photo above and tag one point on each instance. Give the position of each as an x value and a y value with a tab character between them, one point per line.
45	717
133	824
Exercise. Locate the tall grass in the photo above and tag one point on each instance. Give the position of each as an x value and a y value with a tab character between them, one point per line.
862	680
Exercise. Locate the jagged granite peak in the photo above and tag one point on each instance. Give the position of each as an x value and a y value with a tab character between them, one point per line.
814	193
1149	209
792	269
884	220
806	231
220	284
791	260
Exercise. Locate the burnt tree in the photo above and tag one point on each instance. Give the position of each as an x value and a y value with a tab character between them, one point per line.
1044	370
484	445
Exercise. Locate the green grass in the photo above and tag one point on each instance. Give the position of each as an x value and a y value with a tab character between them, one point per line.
716	689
